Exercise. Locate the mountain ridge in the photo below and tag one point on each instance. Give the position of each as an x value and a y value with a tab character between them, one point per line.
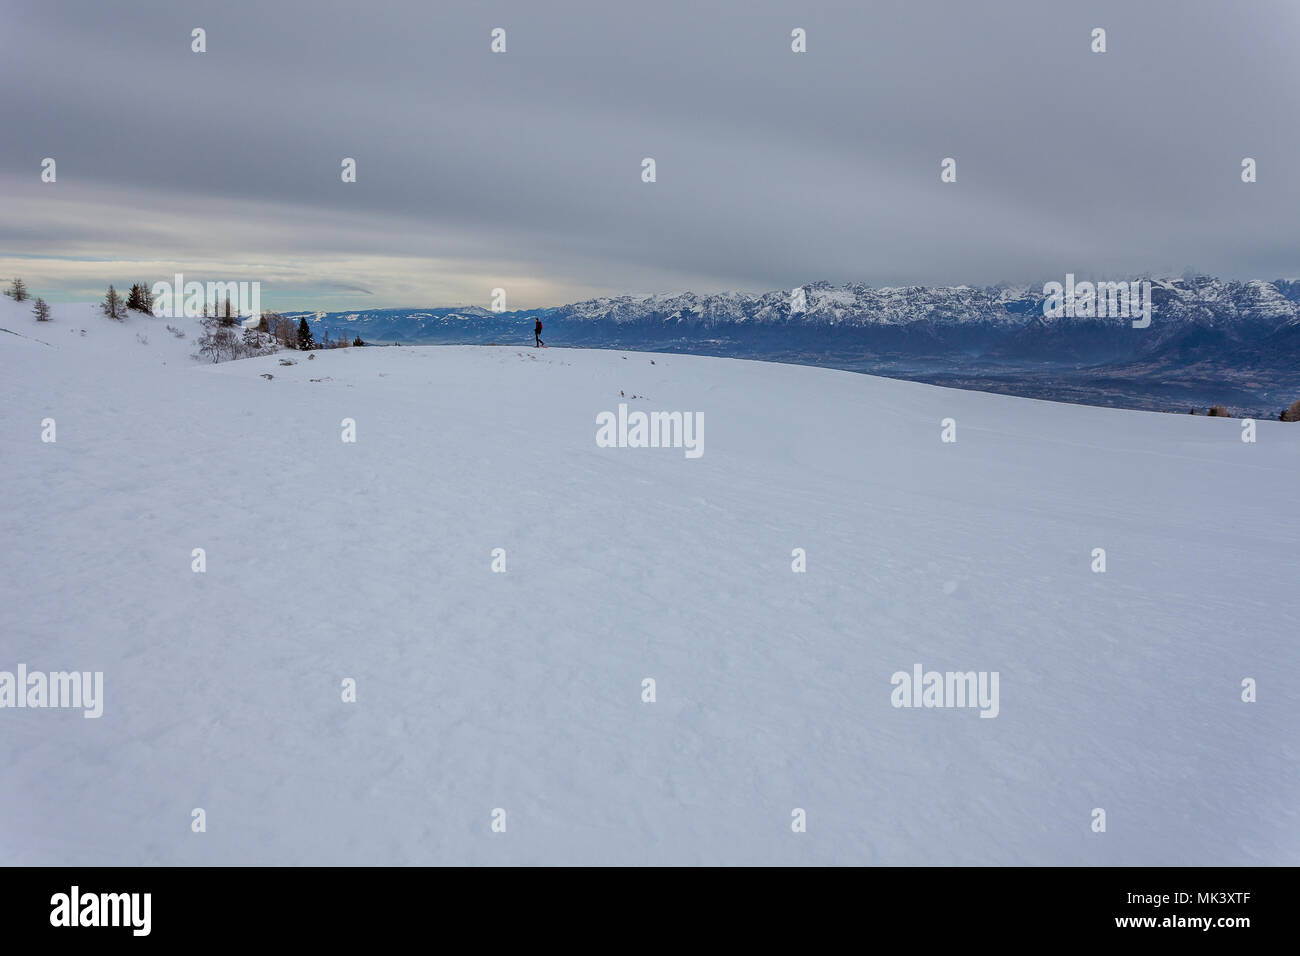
1249	322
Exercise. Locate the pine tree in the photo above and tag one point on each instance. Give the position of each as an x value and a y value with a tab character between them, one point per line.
42	310
18	291
139	298
113	304
305	341
357	343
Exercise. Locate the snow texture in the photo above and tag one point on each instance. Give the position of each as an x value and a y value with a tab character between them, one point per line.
522	690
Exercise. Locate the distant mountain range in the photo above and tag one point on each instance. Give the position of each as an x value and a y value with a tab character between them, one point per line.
1209	340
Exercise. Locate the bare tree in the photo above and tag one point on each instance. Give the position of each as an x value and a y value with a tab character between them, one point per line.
286	331
18	291
224	343
41	310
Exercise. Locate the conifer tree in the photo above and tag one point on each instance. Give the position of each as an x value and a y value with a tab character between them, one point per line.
139	298
113	304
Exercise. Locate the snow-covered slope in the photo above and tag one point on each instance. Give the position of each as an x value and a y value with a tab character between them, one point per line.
522	690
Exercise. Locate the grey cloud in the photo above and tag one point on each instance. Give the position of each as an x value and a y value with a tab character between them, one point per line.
774	168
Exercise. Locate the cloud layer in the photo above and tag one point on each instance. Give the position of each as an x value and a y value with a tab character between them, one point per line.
522	170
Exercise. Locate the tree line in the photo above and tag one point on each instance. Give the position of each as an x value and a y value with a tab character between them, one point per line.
223	338
274	331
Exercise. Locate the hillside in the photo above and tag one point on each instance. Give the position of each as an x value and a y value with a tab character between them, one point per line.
522	690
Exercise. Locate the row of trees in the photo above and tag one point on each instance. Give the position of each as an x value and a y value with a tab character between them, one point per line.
1289	414
286	332
226	316
299	336
139	299
223	341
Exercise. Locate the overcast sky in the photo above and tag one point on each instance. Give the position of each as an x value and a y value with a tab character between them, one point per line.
523	170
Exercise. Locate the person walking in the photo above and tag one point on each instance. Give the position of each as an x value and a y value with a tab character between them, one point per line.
537	334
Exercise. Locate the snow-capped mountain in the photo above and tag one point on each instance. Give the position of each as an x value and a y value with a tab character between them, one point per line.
825	304
1202	298
1202	301
1226	341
